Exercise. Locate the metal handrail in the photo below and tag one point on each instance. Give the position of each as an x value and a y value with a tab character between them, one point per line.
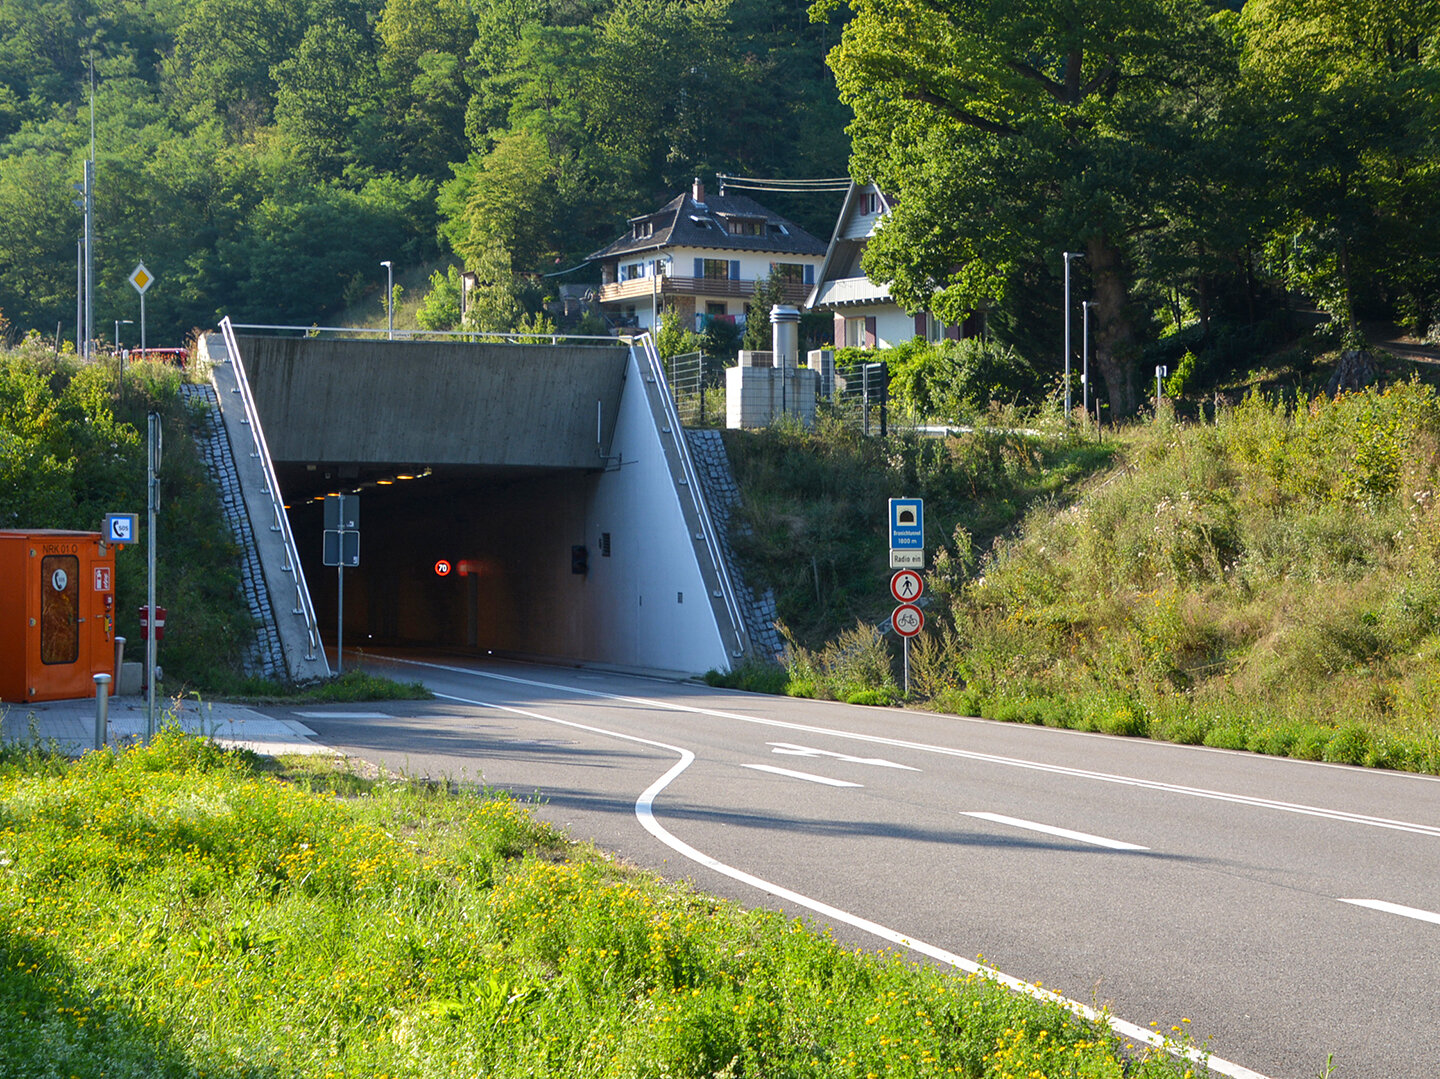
692	480
281	523
479	336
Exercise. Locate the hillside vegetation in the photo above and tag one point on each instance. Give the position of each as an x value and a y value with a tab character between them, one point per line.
72	449
1267	578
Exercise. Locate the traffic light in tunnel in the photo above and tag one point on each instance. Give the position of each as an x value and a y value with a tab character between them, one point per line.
579	558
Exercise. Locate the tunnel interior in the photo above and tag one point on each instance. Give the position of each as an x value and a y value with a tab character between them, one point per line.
464	557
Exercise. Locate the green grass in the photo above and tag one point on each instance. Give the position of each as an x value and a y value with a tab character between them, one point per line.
176	911
1264	582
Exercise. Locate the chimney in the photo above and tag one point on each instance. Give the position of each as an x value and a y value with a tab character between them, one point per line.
697	191
785	335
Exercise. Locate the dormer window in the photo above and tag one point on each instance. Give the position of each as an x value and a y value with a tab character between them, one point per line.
640	230
745	226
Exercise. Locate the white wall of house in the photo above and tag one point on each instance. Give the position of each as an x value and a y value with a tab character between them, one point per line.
746	267
876	325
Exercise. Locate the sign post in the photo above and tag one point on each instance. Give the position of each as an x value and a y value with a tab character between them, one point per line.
907	586
907	554
152	507
141	279
341	549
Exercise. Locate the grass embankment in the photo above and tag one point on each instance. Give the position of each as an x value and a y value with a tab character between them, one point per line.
174	912
1266	580
813	527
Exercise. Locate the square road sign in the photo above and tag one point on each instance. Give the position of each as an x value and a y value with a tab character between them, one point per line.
122	527
907	524
341	548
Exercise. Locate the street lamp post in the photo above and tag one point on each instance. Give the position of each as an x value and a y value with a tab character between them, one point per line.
1068	256
389	300
1085	358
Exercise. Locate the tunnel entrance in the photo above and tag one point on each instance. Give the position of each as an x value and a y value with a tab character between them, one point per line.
534	500
464	557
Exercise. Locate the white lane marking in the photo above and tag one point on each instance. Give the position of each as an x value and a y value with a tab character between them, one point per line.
790	749
964	754
1063	833
344	715
801	775
1396	908
645	813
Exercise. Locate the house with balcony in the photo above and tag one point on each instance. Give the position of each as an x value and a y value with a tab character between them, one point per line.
865	315
700	255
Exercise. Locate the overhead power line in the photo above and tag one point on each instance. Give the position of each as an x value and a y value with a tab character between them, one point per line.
756	183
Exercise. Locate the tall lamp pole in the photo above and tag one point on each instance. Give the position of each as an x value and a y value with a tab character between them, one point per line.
389	300
1068	256
1085	358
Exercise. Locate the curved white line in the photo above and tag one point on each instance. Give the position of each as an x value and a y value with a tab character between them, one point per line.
645	813
965	754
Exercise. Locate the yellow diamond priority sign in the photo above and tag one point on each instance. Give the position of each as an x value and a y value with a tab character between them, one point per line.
141	278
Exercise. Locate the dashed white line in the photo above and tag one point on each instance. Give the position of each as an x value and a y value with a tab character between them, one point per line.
790	749
801	775
963	754
1396	908
1063	833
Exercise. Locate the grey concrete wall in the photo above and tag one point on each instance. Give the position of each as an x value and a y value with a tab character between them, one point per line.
434	403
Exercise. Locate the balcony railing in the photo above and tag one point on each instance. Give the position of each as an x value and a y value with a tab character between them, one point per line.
643	288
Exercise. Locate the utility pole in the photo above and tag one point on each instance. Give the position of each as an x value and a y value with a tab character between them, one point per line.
1068	256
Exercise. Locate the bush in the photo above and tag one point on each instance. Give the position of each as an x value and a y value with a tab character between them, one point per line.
957	380
855	667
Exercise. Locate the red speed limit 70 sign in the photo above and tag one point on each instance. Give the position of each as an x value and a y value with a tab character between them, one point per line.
442	568
908	620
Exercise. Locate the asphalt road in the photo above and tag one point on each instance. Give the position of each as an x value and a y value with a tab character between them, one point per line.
1287	910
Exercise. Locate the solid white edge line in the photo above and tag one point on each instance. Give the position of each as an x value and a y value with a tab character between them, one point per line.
810	776
1063	833
645	813
1395	908
963	754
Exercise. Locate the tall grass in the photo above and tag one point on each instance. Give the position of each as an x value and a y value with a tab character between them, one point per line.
174	912
1268	581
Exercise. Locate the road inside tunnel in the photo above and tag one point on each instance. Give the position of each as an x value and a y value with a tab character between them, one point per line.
461	557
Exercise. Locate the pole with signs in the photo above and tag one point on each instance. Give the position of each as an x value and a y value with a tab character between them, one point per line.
907	587
152	508
342	548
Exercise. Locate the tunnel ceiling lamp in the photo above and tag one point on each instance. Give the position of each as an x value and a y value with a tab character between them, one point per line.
404	476
384	483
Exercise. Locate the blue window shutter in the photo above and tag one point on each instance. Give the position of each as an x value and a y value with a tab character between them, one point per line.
734	269
809	274
699	267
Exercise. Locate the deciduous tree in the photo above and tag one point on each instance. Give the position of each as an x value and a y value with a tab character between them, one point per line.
1009	134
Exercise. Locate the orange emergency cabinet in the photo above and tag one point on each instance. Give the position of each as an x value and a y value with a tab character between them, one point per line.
57	614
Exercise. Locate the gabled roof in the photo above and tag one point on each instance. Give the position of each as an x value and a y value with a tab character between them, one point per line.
830	290
714	223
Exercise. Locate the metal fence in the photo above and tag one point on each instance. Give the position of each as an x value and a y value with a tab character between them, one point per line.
697	382
861	396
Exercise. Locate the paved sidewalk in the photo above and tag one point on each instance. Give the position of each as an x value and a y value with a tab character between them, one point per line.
71	724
